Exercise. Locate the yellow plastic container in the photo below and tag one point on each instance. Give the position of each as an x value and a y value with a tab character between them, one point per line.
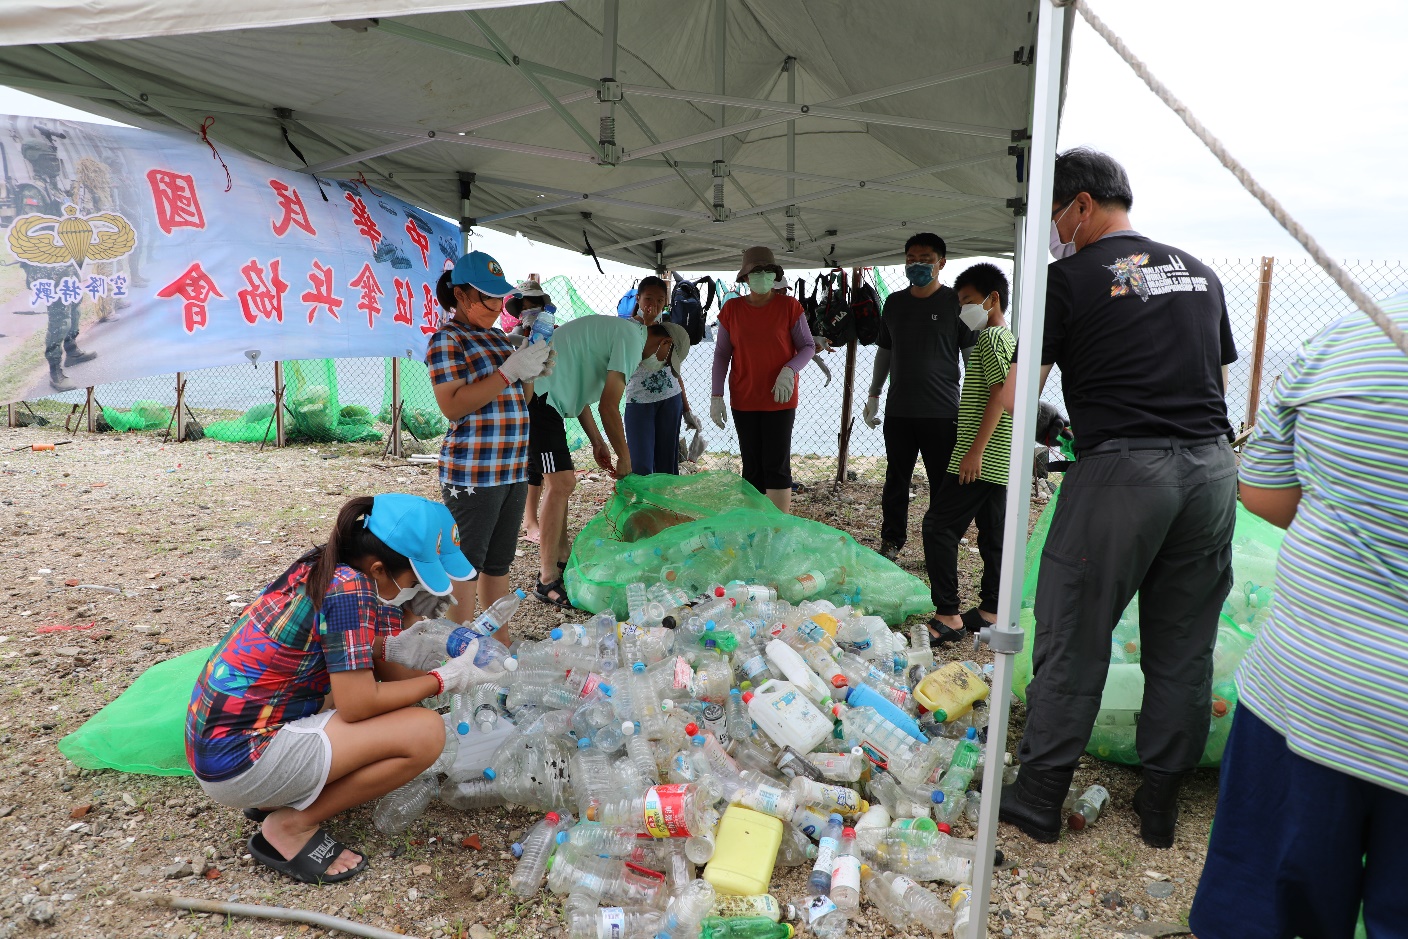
951	691
745	849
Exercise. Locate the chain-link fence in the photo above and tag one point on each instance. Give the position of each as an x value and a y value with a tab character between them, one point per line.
348	400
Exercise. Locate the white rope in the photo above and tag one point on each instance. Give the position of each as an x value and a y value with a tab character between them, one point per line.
1278	212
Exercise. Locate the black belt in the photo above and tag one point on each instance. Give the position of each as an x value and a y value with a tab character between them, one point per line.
1126	444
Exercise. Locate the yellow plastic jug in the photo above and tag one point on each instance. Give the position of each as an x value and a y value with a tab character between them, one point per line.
745	849
950	692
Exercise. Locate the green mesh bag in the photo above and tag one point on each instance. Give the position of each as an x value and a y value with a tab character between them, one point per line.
420	414
144	730
144	415
568	301
313	411
708	528
1255	546
255	426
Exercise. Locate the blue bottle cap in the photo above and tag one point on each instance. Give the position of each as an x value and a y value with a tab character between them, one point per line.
462	728
489	773
735	693
697	740
522	594
936	796
517	849
604	689
834	818
562	837
710	625
638	667
556	632
709	643
583	742
972	733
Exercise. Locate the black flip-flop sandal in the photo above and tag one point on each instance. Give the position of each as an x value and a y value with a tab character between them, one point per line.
544	593
257	815
946	634
310	864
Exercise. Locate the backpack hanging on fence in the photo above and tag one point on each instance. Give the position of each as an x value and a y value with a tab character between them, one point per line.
799	292
687	309
865	314
833	320
626	306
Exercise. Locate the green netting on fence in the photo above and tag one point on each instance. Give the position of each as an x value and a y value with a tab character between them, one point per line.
313	410
143	731
1255	546
420	415
694	531
568	301
144	415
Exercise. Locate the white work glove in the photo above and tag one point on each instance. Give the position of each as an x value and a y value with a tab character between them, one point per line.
782	388
403	647
550	364
428	605
872	411
717	412
460	674
526	364
691	421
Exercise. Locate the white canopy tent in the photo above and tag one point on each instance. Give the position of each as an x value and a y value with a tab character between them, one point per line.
670	134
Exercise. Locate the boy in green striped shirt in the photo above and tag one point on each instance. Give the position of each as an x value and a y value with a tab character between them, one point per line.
975	486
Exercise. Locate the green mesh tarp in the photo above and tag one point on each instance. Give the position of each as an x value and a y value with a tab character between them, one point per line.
313	410
143	731
570	304
1255	546
420	414
144	415
707	528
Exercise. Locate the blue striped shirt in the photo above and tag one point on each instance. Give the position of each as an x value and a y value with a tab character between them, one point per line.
1330	670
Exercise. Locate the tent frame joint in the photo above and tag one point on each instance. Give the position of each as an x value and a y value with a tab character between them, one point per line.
1018	205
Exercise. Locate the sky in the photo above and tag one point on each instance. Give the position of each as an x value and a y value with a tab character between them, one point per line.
1313	99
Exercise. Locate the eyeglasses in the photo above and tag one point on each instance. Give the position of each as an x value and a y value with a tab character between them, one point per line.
773	269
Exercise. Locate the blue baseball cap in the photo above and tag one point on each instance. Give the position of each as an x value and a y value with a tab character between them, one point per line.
481	272
426	533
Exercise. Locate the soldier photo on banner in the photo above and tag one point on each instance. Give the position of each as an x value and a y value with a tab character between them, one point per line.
126	253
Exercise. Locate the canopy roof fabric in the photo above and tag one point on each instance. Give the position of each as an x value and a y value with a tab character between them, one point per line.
903	115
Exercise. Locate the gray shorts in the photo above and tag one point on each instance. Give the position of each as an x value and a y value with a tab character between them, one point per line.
292	770
488	518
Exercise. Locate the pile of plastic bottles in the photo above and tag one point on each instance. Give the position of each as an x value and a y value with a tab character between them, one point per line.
682	755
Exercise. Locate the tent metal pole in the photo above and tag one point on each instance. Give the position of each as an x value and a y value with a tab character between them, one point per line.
730	129
674	164
790	67
402	31
610	92
132	93
1005	638
720	57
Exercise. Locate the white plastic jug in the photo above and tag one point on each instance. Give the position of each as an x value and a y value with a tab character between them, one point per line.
785	715
789	662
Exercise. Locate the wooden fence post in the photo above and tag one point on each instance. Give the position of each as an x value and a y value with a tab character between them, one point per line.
280	430
91	407
393	446
847	394
12	415
1263	312
180	406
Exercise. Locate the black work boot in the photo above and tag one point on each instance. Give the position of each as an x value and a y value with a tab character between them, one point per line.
76	356
1156	804
57	379
1033	802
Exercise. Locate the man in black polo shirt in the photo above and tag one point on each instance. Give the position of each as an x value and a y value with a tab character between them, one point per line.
1141	334
920	335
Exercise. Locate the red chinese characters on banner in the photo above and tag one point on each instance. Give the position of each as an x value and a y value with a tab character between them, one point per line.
405	301
292	207
430	315
419	239
264	295
366	225
370	304
321	294
177	205
196	288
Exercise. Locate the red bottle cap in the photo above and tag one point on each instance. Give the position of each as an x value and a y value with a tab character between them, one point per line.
553	818
691	728
747	696
718	591
848	833
838	681
944	827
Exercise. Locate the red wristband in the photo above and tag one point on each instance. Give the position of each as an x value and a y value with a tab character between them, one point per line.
500	373
439	681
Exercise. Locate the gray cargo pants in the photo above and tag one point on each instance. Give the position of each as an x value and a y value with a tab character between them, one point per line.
1153	516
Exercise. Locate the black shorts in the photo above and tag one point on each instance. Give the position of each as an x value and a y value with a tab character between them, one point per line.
765	444
547	441
488	518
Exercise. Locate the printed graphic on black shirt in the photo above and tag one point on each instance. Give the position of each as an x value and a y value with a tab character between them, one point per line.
1131	275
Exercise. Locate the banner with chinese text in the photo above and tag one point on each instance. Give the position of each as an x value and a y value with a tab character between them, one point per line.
126	253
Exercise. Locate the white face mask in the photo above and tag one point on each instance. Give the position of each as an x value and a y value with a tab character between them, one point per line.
761	281
1062	249
404	595
651	364
974	316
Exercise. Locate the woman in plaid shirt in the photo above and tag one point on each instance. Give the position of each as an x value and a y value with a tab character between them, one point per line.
482	382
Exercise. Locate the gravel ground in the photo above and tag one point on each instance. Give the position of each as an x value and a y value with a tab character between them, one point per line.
179	528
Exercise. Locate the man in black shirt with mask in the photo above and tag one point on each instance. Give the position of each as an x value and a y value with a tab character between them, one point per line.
1141	333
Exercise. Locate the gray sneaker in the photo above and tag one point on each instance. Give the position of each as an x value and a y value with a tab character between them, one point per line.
889	550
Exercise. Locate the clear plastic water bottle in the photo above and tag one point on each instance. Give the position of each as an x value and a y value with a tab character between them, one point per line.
954	783
483	708
819	883
614	922
591	775
687	911
533	853
496	616
640	752
543	325
828	798
603	840
399	808
471	794
905	902
845	873
1088	807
